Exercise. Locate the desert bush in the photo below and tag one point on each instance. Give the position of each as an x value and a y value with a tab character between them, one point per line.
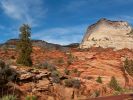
51	67
76	83
9	97
31	97
75	70
72	83
55	79
55	73
68	82
99	79
128	65
47	66
55	76
44	65
6	73
70	58
66	71
114	84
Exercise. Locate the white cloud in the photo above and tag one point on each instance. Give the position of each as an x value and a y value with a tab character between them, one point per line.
26	11
62	35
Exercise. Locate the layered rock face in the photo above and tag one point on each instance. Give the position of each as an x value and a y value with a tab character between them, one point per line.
108	34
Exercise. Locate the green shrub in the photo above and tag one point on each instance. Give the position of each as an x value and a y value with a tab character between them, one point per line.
55	79
9	97
75	70
31	97
55	76
128	65
114	84
99	79
70	58
55	73
51	67
72	83
68	82
44	65
76	83
66	71
6	74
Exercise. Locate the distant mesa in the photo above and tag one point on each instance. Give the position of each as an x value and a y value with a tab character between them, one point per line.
108	34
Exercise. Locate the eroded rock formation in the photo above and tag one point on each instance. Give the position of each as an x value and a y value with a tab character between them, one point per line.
106	33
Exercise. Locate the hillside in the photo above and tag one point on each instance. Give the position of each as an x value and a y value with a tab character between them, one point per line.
108	34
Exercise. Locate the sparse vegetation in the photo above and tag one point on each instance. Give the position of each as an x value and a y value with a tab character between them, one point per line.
44	65
70	58
72	83
99	79
9	97
6	73
66	71
114	84
51	67
97	93
75	70
55	76
24	46
128	65
31	97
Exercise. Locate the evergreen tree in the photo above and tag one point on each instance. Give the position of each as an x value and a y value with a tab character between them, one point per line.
24	46
114	84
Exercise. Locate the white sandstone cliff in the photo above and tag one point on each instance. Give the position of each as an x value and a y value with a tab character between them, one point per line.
106	33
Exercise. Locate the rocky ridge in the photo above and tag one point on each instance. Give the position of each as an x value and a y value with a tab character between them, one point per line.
108	34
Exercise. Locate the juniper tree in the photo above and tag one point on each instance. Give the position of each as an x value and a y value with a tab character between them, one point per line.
24	46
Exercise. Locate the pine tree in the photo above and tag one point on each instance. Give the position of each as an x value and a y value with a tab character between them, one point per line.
24	46
114	84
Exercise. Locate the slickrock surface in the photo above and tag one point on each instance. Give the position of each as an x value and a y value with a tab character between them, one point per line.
106	33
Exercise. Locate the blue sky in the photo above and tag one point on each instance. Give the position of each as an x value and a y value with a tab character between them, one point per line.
59	21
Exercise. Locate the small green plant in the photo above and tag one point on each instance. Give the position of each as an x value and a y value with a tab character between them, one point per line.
9	97
44	65
76	83
66	71
99	79
68	82
51	67
97	93
75	70
70	58
31	97
55	76
114	84
128	65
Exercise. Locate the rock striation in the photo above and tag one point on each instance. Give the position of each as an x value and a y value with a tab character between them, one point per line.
108	34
